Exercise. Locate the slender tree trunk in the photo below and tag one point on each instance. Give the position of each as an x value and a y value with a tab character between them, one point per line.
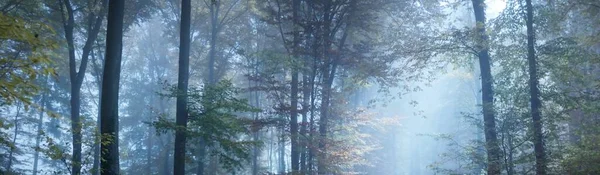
98	72
493	150
182	86
214	21
303	127
325	90
14	140
255	153
38	138
149	150
479	133
109	100
74	101
256	134
534	91
271	154
312	129
295	154
281	149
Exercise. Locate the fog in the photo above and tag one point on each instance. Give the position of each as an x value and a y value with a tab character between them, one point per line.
262	87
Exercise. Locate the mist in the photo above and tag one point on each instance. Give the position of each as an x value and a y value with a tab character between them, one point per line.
261	87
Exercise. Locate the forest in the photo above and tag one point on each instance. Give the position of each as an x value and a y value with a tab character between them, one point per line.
293	87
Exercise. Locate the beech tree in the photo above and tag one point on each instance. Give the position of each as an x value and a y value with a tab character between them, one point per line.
182	88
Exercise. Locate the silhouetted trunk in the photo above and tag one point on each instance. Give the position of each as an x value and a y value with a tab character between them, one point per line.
491	140
76	78
295	154
182	86
38	138
534	91
325	90
109	102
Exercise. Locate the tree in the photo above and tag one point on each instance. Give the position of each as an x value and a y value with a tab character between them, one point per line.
109	108
182	88
24	59
76	77
295	151
482	47
20	68
534	91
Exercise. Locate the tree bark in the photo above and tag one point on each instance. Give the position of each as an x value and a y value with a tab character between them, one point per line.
493	150
534	91
109	102
182	87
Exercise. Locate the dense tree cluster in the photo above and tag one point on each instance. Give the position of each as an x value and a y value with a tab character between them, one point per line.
297	86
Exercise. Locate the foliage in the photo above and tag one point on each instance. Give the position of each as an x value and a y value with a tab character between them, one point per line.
24	58
214	116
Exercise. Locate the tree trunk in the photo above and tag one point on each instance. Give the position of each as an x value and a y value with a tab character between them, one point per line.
303	126
14	141
493	150
534	91
98	72
313	90
38	138
295	154
326	89
214	19
480	152
182	86
109	102
281	148
256	131
149	150
76	78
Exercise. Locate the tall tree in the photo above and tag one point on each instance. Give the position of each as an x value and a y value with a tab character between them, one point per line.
76	77
534	91
109	108
487	95
295	152
182	88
